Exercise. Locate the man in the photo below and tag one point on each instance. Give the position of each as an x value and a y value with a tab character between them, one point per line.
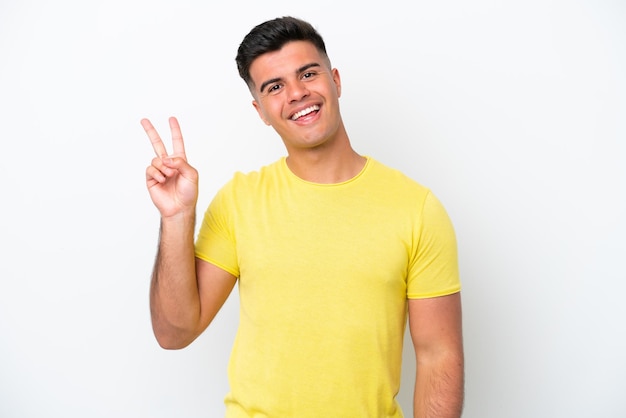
330	248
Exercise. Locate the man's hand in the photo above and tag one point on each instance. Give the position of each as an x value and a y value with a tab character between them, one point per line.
171	181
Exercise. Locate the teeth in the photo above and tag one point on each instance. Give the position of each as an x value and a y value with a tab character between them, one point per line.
305	112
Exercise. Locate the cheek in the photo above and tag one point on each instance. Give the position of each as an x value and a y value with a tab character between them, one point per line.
261	112
271	113
263	117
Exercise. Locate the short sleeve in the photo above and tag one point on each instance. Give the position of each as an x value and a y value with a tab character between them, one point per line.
216	242
433	268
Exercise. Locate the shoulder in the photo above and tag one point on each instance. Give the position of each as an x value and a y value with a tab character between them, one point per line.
405	193
394	180
244	181
244	189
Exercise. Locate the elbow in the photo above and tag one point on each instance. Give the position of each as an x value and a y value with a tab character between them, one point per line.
169	344
173	338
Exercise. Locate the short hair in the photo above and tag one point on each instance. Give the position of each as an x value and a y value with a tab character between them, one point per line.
271	36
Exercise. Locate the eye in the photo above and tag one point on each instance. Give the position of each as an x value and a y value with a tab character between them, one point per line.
274	88
308	75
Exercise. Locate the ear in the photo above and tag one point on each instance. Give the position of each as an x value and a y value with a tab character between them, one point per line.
260	112
337	80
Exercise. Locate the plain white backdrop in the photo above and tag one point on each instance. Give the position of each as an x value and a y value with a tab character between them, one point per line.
514	113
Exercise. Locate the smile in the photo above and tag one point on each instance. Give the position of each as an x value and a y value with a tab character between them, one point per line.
305	112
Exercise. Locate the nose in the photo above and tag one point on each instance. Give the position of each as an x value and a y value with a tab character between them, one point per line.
297	91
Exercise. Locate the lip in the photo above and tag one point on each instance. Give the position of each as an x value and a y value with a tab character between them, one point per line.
301	108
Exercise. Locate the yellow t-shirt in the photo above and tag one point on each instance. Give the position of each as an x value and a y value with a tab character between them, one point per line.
324	274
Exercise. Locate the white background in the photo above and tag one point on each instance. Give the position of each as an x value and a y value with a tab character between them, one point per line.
514	113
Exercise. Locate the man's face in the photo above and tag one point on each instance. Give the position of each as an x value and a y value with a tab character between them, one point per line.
297	93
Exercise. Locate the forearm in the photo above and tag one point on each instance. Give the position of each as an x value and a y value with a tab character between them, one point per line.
439	387
174	298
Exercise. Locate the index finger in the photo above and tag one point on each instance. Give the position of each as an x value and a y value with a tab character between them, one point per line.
155	139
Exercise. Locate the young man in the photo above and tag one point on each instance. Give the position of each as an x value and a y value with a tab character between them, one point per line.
330	248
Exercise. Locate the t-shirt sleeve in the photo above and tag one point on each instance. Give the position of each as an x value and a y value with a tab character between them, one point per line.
433	269
216	242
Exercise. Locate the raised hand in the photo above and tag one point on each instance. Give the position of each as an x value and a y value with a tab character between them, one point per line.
171	181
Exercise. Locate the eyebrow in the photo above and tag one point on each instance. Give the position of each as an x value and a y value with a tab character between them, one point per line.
298	71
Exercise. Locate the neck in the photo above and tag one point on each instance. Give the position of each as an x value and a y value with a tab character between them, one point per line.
319	166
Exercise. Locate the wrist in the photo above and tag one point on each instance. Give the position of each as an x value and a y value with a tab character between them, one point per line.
184	218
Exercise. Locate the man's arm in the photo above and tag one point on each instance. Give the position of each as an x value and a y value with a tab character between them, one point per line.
436	332
185	294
